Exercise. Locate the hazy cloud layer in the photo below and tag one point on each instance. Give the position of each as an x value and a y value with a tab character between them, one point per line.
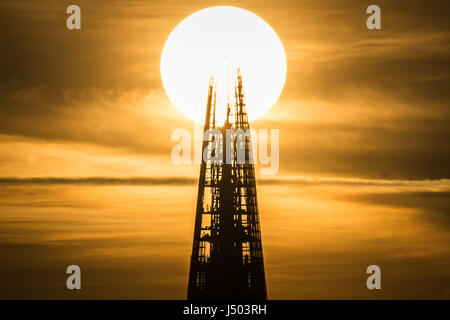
135	241
434	206
442	184
99	181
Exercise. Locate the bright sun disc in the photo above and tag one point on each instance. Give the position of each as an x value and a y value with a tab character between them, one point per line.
216	41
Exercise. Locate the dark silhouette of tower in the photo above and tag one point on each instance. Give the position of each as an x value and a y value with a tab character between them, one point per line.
227	259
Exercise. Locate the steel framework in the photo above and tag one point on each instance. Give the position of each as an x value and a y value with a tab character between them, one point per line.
227	259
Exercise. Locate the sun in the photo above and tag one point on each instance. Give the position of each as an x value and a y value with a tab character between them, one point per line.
216	41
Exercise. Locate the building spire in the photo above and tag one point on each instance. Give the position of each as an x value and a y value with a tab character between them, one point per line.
227	259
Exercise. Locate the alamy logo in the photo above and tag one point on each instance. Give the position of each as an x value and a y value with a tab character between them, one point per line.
74	20
228	146
374	20
74	280
374	281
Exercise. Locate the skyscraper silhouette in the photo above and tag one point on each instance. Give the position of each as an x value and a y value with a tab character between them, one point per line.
227	259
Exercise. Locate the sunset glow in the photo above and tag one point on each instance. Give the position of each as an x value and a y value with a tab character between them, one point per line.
91	118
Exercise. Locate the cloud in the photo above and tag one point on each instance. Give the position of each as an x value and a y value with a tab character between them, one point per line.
433	206
356	103
277	181
99	181
345	182
393	149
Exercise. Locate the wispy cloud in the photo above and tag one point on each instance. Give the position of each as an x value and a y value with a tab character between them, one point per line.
441	184
99	181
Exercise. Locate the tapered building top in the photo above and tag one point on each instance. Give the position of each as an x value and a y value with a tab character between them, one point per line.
227	259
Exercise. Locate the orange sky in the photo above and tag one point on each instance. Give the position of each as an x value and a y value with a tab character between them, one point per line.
348	90
363	122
